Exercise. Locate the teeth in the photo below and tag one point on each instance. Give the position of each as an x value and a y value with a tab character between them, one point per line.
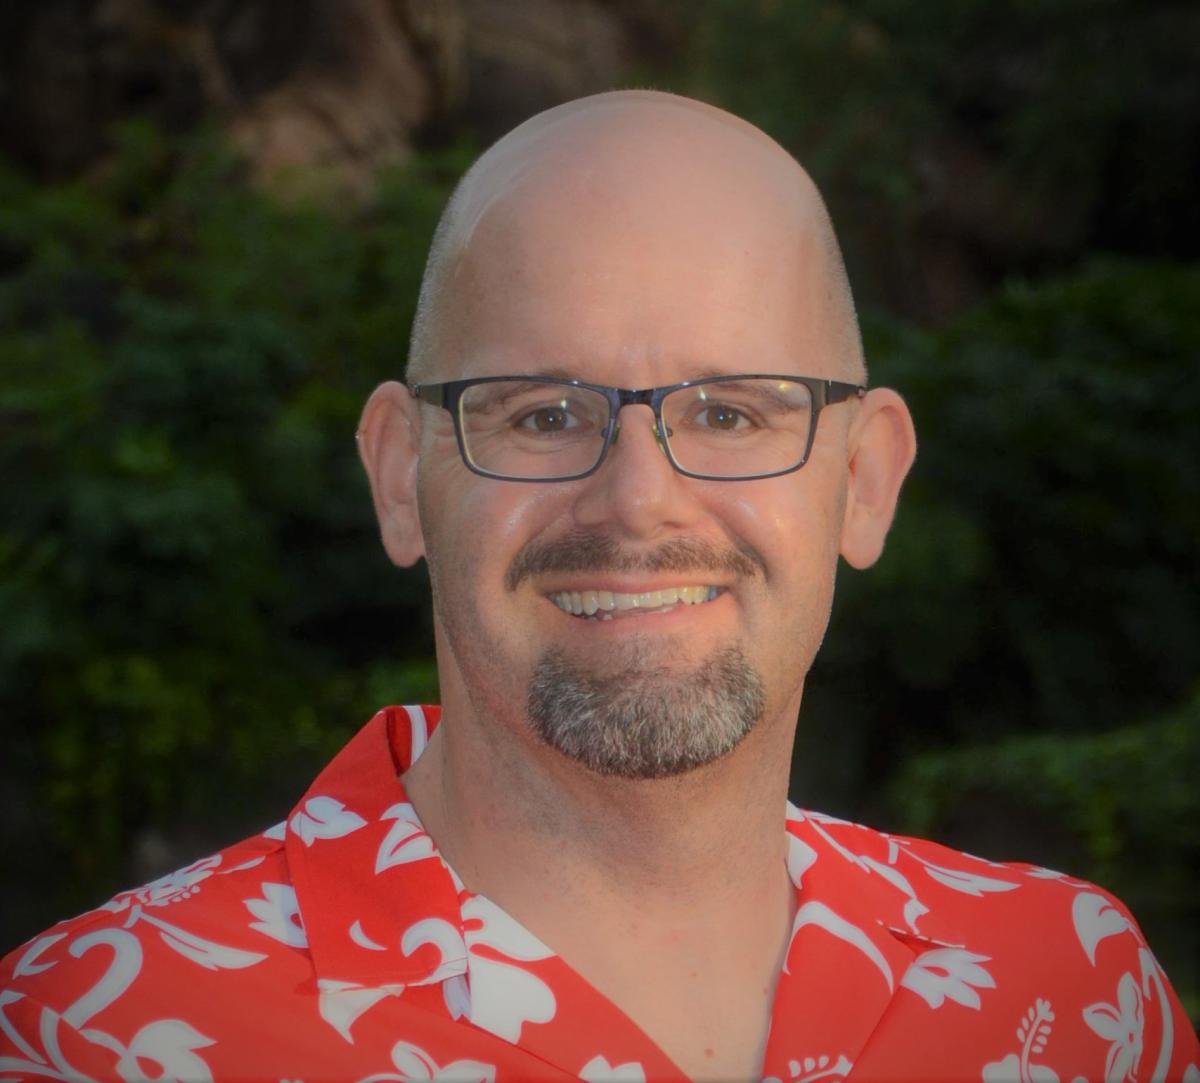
603	602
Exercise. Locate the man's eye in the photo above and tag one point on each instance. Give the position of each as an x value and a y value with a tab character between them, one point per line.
719	416
548	419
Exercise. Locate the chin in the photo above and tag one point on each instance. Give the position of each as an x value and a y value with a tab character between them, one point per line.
643	720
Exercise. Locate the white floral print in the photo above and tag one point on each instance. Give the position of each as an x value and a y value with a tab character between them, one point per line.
174	887
817	913
599	1070
342	1002
207	953
28	965
406	841
504	995
414	1064
170	1045
821	1067
1122	1025
278	915
970	883
953	973
324	818
1033	1032
1095	917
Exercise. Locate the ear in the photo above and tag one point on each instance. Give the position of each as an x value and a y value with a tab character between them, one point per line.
882	446
388	442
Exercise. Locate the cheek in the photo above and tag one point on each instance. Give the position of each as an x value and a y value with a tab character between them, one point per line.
473	527
794	528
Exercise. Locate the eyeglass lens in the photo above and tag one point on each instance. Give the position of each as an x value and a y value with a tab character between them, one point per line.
728	428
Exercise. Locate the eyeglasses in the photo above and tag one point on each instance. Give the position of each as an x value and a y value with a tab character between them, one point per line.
719	428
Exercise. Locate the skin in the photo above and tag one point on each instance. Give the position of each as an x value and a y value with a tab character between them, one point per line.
633	239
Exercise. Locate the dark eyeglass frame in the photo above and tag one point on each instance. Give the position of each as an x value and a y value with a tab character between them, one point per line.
824	393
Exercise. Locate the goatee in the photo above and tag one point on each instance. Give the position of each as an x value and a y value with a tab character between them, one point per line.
643	722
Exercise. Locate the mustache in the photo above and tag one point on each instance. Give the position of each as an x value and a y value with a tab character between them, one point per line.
584	552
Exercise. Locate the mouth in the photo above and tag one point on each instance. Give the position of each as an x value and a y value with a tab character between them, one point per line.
611	604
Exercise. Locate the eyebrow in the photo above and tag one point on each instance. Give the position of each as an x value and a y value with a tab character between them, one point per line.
567	374
706	372
556	371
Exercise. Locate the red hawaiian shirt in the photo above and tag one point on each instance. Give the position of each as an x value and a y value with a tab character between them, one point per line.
339	947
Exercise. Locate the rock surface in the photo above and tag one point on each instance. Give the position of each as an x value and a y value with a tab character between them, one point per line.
316	92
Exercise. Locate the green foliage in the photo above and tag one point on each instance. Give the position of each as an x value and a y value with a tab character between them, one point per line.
194	595
1041	572
1027	130
1115	790
1060	459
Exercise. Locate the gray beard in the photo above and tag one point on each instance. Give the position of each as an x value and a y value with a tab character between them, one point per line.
643	722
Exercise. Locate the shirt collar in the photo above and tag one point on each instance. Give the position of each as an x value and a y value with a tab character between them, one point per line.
382	910
378	903
869	873
858	927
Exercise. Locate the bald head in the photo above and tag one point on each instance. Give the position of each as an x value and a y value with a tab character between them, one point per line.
640	203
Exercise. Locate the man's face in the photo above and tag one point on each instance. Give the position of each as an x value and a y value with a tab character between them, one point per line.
643	285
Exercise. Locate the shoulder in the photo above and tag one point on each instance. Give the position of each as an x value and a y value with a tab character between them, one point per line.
1011	947
227	911
1017	909
206	886
1020	907
211	973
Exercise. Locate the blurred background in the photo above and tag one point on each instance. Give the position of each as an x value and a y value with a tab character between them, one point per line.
213	220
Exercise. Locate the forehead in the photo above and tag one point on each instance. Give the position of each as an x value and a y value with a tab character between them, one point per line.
661	241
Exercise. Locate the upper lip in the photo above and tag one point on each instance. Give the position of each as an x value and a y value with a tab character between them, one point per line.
629	584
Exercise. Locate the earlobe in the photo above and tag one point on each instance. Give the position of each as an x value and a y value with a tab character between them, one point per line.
388	442
882	447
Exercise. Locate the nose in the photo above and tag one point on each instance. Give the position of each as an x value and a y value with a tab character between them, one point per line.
654	429
637	491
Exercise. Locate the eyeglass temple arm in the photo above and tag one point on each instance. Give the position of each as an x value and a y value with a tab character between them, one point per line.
838	391
434	394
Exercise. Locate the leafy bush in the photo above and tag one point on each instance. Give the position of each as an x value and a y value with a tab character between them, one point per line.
196	605
1039	576
971	140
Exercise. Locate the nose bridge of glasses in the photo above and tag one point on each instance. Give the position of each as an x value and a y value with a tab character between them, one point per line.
629	397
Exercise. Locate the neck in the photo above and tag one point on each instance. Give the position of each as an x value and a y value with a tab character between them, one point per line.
515	820
621	877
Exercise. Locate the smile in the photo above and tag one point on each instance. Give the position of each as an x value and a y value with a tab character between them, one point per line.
605	604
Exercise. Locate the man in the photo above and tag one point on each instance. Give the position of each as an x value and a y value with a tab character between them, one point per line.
634	441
